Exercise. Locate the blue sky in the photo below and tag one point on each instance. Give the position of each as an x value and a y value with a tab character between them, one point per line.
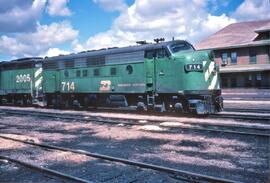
53	27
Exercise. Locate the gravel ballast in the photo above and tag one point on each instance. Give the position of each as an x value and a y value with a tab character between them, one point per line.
237	157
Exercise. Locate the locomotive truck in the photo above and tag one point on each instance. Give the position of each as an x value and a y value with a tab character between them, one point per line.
165	76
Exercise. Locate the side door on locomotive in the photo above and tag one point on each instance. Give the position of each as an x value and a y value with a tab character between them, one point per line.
159	75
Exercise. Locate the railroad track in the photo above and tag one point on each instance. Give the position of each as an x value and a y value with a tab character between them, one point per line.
244	116
186	175
231	109
52	173
217	115
198	126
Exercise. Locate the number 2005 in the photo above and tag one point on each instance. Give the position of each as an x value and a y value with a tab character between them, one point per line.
23	78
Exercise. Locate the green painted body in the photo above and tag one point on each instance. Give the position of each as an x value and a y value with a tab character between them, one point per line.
20	81
159	75
121	82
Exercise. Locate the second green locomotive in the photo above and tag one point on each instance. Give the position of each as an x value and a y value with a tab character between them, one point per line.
21	81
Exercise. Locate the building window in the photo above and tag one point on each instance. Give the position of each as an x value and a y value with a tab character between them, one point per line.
233	58
233	82
113	71
252	57
85	73
224	58
259	77
96	72
258	80
248	80
78	73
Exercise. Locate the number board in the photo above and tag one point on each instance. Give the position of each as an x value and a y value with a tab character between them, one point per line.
23	78
194	67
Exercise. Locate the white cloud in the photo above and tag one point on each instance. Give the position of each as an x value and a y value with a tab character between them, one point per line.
213	23
149	19
144	20
252	10
55	52
18	16
35	43
112	5
58	8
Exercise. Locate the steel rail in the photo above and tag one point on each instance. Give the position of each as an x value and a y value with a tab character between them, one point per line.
186	174
239	116
46	170
218	115
231	109
94	119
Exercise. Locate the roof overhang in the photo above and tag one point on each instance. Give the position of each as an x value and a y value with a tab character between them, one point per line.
250	44
245	68
263	29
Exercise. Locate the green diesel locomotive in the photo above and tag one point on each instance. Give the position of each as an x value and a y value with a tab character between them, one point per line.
21	81
166	76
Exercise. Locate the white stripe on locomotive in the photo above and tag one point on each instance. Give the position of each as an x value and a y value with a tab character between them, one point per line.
38	72
38	82
209	71
213	82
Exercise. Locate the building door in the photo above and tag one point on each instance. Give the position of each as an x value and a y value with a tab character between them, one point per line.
224	81
258	80
248	80
233	81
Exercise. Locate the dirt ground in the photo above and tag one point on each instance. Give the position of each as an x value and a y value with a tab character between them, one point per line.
236	157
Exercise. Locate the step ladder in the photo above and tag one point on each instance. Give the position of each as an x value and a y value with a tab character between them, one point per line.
151	101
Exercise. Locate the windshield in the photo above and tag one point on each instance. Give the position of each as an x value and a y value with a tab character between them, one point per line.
176	47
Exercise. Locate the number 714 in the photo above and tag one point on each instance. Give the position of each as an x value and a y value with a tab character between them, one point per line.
69	85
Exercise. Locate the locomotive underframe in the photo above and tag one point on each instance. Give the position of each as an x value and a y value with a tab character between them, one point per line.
199	102
22	99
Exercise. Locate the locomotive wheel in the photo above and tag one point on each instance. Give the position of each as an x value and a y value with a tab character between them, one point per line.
24	102
76	104
67	103
56	101
48	101
160	107
85	102
178	107
141	107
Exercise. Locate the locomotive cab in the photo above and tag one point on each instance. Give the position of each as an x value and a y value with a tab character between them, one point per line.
198	81
180	78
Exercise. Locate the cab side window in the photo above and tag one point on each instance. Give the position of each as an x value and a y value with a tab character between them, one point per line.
150	54
161	53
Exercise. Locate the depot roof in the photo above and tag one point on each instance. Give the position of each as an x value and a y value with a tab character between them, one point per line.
241	34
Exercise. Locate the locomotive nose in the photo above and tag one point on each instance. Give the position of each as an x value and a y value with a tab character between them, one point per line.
201	71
